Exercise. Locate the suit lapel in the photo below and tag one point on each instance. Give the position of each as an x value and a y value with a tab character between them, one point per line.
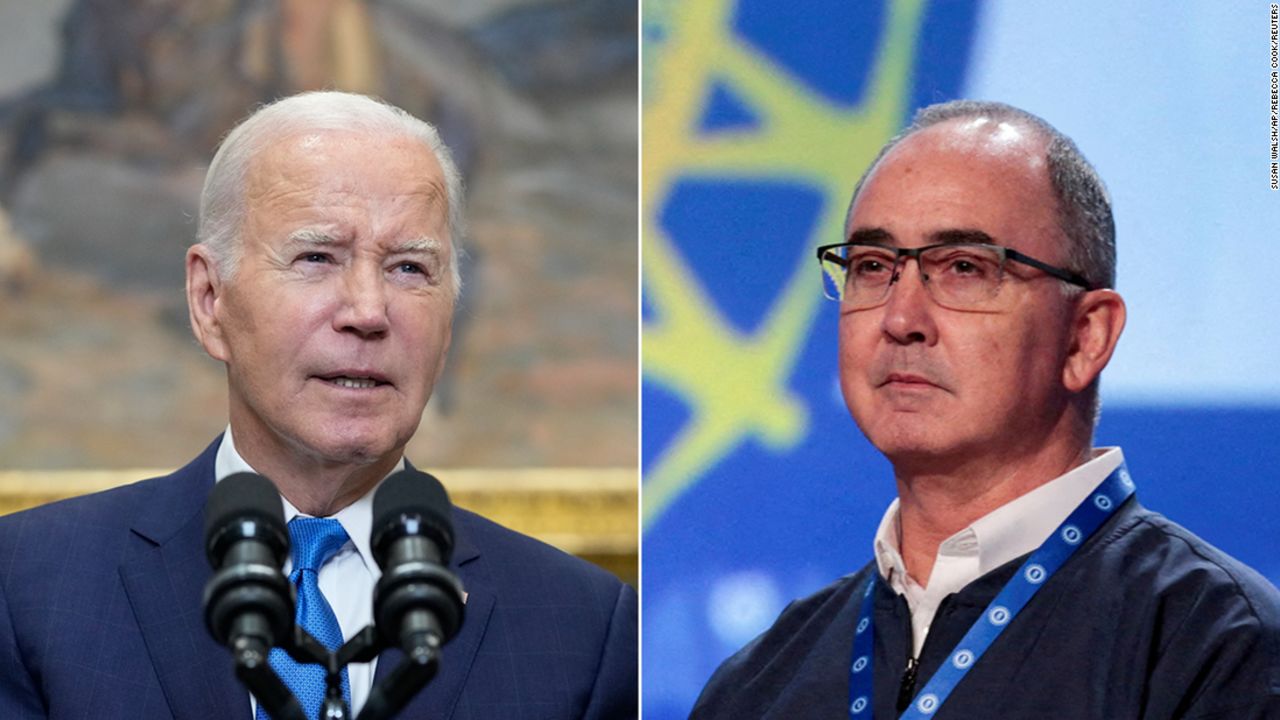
164	577
440	696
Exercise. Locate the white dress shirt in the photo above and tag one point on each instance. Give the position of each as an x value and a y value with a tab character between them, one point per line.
346	581
1011	530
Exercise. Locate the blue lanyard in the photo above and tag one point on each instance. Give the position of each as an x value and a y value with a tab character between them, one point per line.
1038	568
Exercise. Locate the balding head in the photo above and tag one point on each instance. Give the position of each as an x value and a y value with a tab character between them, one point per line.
1083	206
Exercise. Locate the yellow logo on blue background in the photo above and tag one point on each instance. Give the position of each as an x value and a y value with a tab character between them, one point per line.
757	120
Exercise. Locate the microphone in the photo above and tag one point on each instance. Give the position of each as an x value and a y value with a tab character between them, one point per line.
248	604
417	603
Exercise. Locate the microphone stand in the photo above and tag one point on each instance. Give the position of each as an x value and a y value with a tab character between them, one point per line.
385	699
396	690
391	695
255	672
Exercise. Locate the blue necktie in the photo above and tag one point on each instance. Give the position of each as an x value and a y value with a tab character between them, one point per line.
315	541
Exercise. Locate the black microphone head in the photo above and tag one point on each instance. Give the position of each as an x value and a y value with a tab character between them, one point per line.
244	505
411	502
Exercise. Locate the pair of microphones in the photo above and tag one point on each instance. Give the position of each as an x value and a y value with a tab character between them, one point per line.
249	603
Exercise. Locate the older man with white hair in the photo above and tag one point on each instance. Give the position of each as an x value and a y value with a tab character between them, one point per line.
324	277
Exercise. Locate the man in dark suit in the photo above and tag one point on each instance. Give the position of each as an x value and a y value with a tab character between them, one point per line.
324	278
1016	575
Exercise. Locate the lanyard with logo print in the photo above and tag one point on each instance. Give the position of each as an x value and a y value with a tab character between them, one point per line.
1038	568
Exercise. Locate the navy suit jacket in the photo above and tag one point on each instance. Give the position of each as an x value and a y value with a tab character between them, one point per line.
100	617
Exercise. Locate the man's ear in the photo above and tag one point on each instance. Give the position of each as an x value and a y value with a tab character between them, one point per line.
204	294
1096	326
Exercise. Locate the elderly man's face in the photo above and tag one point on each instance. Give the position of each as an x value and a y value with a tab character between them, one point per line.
926	383
336	324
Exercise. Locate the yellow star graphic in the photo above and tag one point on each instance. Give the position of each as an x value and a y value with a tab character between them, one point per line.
735	384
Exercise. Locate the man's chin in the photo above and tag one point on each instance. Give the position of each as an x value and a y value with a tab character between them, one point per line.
907	438
352	448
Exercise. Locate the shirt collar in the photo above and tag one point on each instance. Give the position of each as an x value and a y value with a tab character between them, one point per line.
356	518
888	546
1011	530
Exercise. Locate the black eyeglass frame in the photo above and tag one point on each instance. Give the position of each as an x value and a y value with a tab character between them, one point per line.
1006	253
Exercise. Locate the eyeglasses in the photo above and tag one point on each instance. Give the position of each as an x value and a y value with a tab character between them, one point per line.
960	276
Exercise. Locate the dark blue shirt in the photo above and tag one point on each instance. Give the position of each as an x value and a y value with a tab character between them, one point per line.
1146	621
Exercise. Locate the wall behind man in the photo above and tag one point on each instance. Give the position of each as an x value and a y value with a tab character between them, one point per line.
758	119
110	111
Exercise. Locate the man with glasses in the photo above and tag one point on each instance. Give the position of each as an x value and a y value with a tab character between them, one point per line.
1016	575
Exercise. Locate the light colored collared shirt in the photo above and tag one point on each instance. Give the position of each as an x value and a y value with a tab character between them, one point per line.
1010	531
346	581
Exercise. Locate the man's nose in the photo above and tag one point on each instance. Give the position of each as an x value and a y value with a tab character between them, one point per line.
363	309
908	311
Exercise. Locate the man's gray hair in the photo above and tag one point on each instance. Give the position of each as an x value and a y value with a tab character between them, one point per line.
1084	207
223	203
